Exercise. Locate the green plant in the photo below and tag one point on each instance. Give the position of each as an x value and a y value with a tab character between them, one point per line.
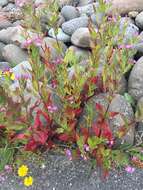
53	120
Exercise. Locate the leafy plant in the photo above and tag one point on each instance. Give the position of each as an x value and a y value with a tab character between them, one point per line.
63	88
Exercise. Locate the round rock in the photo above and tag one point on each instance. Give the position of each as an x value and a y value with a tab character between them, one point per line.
135	82
14	54
3	2
125	6
53	47
85	2
139	20
81	38
71	26
60	35
69	12
126	114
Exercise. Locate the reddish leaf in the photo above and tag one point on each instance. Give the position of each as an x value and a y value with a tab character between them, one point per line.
106	131
2	127
64	137
40	137
72	124
77	112
21	136
36	104
105	174
45	115
37	122
107	134
113	114
85	133
50	144
99	107
94	80
96	129
31	146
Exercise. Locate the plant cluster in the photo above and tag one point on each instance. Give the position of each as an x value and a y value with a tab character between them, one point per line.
53	121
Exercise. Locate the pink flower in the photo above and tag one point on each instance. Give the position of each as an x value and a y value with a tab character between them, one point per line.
107	1
110	143
129	169
23	76
86	148
53	83
52	108
8	168
37	41
21	3
131	61
27	43
68	154
58	61
2	178
128	46
134	158
84	157
114	19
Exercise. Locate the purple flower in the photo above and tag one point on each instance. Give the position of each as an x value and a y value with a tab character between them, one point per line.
52	108
86	148
129	169
58	61
128	46
2	178
111	143
23	76
8	168
68	154
84	157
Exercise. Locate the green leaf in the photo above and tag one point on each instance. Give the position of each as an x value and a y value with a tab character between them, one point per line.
6	157
94	141
129	99
80	143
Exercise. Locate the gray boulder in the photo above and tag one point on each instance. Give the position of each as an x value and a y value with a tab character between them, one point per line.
53	47
87	9
11	35
2	45
118	104
125	6
60	35
139	20
81	38
69	12
3	2
80	53
71	26
135	82
85	2
14	54
126	114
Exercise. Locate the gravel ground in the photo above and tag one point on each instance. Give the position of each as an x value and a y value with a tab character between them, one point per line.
62	174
